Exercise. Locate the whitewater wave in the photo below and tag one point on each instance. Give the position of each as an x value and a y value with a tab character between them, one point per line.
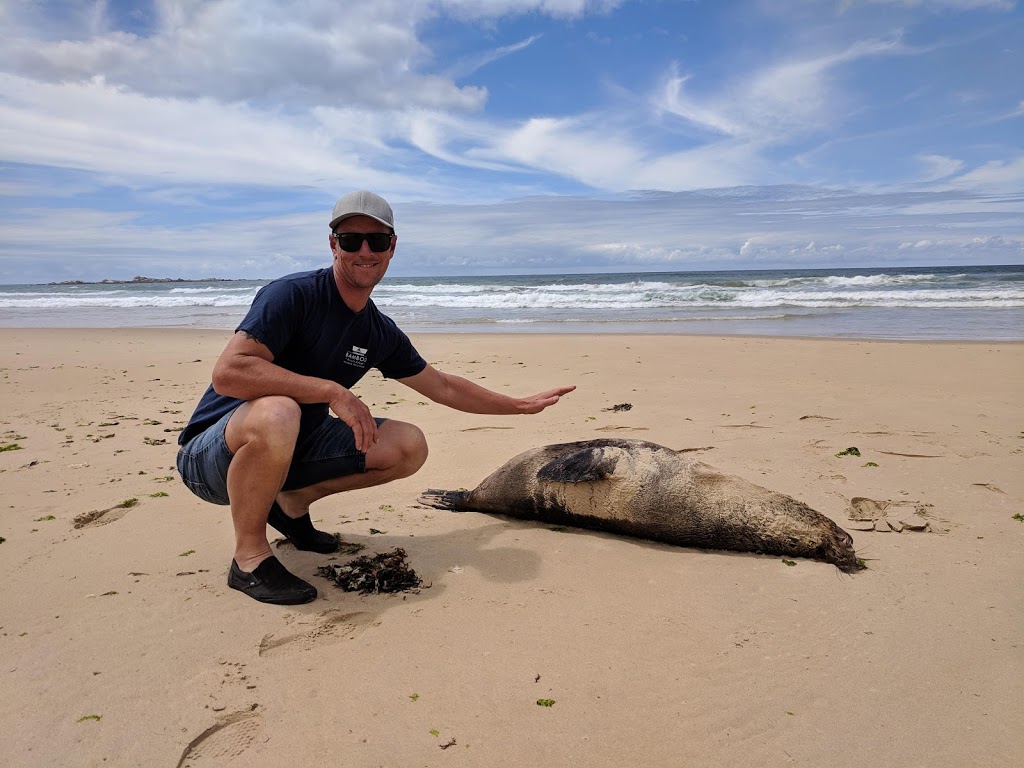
933	302
112	301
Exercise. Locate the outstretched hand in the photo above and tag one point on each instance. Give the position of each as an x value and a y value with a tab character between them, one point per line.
537	403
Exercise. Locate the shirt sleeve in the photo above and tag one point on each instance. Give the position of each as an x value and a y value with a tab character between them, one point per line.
404	360
274	314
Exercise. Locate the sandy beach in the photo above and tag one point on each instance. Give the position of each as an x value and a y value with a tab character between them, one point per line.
122	645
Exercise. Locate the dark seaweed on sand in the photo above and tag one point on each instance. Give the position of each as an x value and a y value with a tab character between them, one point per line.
386	572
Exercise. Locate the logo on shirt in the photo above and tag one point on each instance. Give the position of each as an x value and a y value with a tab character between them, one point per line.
356	356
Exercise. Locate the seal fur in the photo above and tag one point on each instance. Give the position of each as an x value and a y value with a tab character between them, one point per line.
645	490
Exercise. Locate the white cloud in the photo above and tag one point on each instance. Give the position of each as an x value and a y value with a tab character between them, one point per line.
472	64
308	52
956	5
936	167
995	175
568	146
115	132
230	50
674	100
556	8
776	103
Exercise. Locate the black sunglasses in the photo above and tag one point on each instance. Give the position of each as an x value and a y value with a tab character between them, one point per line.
351	242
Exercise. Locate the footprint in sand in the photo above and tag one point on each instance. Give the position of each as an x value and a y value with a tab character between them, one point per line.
231	736
99	517
326	628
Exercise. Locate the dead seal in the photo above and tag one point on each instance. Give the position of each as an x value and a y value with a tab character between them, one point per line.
645	490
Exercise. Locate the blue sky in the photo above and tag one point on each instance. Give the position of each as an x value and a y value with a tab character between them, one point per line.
190	139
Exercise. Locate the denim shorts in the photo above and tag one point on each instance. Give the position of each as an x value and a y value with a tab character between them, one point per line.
323	453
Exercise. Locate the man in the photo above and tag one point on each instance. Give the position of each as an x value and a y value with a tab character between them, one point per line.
262	438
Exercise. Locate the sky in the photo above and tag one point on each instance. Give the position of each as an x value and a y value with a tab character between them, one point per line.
191	138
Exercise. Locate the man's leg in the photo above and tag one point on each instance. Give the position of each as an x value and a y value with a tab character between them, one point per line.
261	434
400	451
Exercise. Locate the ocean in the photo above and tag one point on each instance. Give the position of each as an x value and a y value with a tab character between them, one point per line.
978	303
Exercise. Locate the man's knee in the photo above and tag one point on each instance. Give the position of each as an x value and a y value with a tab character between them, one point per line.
416	450
273	420
402	449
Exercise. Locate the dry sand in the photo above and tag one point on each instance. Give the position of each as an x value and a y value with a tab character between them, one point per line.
120	643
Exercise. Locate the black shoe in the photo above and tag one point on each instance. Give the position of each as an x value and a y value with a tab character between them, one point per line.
301	533
271	582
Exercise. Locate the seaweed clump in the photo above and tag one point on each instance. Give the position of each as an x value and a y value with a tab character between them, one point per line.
385	572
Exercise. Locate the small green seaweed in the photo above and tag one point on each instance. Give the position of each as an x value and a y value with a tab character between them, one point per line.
186	554
414	697
386	508
861	563
434	732
788	562
83	718
10	447
44	517
158	494
851	451
348	547
871	464
545	702
1019	517
128	503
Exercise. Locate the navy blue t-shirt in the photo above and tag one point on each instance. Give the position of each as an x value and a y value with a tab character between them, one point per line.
304	322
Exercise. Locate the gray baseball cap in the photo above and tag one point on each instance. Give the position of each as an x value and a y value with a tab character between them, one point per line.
363	203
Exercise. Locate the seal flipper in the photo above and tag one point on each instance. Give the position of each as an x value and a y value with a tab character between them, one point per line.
582	466
454	501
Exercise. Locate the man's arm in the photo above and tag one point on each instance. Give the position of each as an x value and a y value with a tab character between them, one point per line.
463	395
246	370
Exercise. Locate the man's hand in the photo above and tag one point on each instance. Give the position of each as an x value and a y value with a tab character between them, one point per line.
537	403
463	395
353	411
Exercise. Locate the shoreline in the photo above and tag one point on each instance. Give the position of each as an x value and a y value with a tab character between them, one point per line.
568	335
648	651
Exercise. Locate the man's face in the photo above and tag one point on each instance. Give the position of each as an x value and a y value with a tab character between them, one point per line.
364	268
